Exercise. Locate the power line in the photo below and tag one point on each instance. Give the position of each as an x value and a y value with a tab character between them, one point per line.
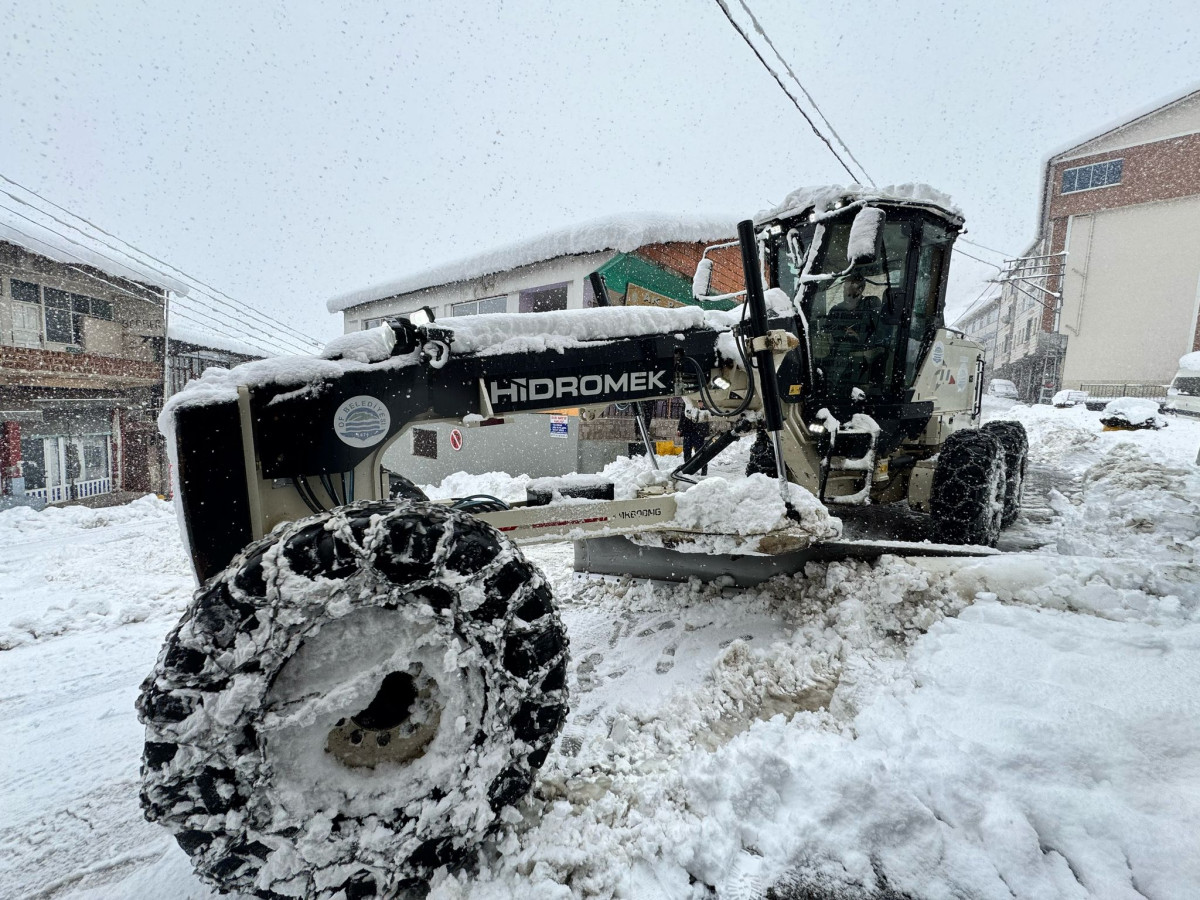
262	317
189	314
783	87
758	27
983	247
977	259
213	315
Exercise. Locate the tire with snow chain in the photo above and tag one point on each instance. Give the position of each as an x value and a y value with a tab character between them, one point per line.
1015	442
353	702
967	497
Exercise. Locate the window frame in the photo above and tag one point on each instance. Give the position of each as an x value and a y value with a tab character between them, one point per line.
1119	162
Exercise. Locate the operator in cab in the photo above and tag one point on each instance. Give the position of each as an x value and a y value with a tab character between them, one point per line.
855	331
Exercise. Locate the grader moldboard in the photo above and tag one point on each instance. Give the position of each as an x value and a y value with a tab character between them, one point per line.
366	682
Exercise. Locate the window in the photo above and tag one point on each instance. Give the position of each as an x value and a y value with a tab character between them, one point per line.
479	307
1028	330
1097	175
1007	342
544	299
25	292
65	314
368	324
60	318
425	443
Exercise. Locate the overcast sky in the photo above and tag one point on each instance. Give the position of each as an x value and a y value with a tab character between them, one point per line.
287	152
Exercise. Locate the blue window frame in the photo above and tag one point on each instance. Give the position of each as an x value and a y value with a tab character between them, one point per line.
1096	175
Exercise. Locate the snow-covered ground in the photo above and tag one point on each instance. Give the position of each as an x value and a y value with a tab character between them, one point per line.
1018	726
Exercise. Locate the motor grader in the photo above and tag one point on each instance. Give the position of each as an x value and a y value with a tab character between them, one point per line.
366	683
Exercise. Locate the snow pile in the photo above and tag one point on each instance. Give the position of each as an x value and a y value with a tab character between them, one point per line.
1133	412
494	333
1134	506
372	345
621	233
1190	361
46	593
510	488
751	505
824	198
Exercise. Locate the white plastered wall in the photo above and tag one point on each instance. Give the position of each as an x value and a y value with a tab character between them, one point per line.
1129	293
571	269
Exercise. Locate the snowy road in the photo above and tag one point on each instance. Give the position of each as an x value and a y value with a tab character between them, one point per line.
1022	726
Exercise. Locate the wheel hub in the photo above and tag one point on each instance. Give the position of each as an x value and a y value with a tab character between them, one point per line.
395	727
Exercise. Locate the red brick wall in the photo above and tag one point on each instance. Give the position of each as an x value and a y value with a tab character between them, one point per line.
682	258
10	454
51	362
1162	170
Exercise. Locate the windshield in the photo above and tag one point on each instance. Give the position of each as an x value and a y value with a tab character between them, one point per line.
855	315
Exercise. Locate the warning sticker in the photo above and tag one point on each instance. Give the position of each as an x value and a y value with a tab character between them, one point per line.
558	426
455	439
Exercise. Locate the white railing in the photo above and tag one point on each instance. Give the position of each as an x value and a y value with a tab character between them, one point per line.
60	492
93	487
51	494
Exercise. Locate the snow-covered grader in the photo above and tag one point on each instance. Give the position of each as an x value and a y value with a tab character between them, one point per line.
366	682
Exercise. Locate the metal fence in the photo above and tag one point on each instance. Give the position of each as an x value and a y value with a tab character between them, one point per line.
1124	389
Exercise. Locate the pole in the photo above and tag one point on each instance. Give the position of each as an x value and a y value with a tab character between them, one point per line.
764	359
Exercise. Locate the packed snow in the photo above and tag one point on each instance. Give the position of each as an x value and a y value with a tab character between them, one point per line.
1021	725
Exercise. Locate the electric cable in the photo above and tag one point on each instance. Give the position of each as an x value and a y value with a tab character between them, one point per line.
176	310
263	316
285	340
306	494
758	27
783	87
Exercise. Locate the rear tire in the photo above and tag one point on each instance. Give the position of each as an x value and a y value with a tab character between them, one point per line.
353	702
1015	443
967	496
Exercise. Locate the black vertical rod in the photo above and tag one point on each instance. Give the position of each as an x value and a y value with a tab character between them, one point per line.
763	359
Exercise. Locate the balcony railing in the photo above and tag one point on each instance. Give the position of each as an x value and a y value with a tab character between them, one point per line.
59	492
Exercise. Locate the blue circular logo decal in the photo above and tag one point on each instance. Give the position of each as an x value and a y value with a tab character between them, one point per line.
362	421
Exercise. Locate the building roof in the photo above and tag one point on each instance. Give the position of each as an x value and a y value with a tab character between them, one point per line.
620	233
73	245
1131	118
188	333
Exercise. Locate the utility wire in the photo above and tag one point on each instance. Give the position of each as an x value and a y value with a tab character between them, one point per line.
983	247
284	340
189	314
783	87
978	259
762	31
266	319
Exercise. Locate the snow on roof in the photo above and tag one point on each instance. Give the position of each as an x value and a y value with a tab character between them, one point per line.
1190	361
1128	119
621	233
823	197
75	248
191	334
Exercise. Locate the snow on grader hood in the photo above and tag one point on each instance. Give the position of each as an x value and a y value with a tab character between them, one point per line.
366	682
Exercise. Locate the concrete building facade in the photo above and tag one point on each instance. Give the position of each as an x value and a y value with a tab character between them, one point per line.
1124	206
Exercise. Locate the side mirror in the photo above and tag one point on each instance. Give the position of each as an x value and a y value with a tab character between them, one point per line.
702	280
862	246
422	316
